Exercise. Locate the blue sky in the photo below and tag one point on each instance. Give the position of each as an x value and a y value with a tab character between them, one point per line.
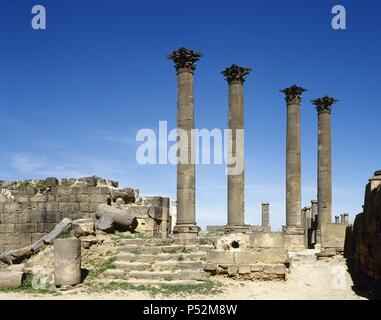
72	97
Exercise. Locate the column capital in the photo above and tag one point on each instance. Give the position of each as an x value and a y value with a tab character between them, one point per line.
235	73
293	94
324	105
184	59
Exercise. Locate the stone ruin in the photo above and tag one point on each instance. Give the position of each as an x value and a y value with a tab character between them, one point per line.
173	245
30	209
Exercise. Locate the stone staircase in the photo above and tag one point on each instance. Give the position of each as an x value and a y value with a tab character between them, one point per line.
156	261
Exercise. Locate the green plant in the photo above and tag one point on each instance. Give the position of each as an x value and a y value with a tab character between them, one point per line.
180	258
100	266
68	233
41	186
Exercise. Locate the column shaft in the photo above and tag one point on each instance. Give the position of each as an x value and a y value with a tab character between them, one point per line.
236	190
324	169
185	171
293	168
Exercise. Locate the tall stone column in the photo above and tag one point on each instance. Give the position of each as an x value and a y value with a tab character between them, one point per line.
266	216
185	64
324	108
293	168
235	76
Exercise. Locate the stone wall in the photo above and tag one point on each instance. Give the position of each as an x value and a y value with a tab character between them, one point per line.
30	209
363	239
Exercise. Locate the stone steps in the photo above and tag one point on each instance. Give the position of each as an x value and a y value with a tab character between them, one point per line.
198	275
143	282
137	249
159	265
131	257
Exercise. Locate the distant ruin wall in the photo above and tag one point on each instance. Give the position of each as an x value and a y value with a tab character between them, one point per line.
363	239
30	209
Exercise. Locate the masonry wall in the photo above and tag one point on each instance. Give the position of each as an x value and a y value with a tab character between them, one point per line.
31	209
363	238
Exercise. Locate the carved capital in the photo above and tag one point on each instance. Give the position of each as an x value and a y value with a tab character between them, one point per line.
235	74
185	59
293	94
324	105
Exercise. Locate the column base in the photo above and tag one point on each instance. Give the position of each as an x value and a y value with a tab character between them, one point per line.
293	238
236	229
186	231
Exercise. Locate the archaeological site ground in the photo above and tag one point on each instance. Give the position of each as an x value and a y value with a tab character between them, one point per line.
91	212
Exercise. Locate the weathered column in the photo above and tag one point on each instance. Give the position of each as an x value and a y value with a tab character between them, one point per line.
67	261
235	76
323	108
265	216
337	219
185	63
293	168
314	210
346	218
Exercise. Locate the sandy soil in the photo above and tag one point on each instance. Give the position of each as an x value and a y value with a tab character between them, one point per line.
308	279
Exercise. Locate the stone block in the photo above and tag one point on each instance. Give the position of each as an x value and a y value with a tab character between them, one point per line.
256	267
269	269
26	227
272	256
22	198
84	198
245	257
210	267
220	257
38	217
83	227
7	228
333	235
68	207
90	181
127	194
84	207
244	269
266	239
67	198
25	216
9	218
52	207
232	270
280	269
98	198
12	207
39	198
26	238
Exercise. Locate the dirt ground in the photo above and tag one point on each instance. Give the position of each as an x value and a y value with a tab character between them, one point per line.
308	279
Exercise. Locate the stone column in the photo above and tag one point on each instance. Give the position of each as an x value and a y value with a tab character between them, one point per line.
293	168
323	108
337	219
346	218
265	216
235	76
314	210
185	64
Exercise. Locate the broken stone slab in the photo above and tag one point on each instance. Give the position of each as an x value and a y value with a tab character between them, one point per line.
16	256
105	223
118	216
83	227
11	279
232	270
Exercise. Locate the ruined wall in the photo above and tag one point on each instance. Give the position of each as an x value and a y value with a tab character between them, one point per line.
363	239
30	209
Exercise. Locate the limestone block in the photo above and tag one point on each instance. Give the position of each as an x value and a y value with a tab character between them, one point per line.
68	207
22	199
98	198
26	227
273	256
234	242
90	181
24	217
244	269
7	228
84	207
333	235
220	257
9	218
266	239
245	257
84	198
256	267
51	206
12	207
83	227
280	269
210	267
38	217
232	270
